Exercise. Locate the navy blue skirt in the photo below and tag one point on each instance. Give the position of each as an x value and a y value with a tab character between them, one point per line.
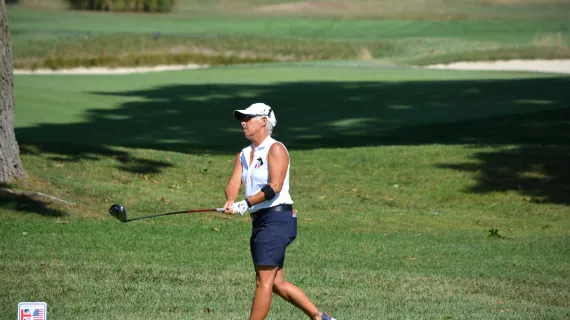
272	232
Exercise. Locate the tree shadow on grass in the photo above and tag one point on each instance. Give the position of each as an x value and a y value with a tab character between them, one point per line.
27	203
538	169
539	172
72	152
197	118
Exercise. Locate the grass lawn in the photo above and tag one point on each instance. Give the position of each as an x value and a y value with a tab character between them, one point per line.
396	32
398	174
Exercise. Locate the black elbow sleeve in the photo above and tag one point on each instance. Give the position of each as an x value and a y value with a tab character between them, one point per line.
268	192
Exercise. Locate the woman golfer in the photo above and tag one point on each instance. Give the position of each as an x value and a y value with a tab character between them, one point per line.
263	168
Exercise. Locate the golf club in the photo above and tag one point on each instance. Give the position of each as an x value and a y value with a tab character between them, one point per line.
119	212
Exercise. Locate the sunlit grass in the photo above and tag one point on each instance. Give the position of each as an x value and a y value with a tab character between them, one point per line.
384	225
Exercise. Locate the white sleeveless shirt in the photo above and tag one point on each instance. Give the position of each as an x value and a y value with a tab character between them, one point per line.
255	175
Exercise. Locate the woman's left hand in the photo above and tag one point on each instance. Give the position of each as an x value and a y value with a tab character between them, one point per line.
239	208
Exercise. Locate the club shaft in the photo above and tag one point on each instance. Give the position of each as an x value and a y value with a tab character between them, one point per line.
178	212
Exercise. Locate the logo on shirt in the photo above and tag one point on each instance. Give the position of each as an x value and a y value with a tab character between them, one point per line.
259	163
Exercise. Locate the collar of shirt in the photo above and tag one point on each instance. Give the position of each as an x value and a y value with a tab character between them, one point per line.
264	143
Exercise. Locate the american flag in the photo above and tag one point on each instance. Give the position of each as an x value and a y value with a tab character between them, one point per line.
38	314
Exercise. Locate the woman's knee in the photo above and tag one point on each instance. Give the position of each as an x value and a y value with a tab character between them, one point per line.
279	286
266	286
264	281
259	282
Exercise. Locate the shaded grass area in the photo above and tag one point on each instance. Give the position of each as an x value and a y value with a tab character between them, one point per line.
537	171
56	39
27	203
88	119
168	110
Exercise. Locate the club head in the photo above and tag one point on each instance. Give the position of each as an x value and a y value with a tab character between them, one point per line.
119	212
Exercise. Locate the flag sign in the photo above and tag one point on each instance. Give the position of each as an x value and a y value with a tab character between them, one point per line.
32	311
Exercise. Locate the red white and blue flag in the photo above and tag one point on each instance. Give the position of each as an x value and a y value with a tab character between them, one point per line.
32	311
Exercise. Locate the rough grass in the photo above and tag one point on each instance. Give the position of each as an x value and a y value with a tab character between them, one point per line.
215	34
137	49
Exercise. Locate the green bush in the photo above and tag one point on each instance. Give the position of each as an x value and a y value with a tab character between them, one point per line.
123	5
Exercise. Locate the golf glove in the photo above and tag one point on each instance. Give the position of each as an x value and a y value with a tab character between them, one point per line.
239	208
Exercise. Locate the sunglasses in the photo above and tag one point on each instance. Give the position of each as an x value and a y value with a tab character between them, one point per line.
247	117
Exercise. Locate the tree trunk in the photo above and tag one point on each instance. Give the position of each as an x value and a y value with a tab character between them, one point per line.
10	163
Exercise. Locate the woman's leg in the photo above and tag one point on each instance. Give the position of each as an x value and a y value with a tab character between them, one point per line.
264	278
294	295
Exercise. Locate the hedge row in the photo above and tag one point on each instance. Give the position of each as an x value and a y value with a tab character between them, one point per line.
132	60
123	5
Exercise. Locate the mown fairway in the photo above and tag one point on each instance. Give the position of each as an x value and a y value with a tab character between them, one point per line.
399	176
237	31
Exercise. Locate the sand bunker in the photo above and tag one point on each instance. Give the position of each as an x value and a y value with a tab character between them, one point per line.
111	70
550	66
305	6
553	66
